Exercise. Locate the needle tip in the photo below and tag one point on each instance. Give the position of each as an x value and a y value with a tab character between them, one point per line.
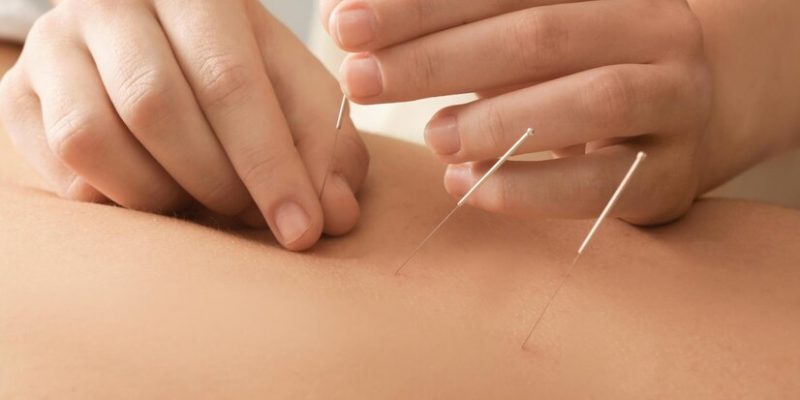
530	132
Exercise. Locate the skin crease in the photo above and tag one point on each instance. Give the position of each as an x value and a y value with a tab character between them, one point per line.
103	302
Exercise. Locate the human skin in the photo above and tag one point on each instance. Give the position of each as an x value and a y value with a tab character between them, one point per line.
708	88
103	302
161	105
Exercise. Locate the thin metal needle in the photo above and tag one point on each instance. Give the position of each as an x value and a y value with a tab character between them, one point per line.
467	196
342	110
339	123
424	241
603	216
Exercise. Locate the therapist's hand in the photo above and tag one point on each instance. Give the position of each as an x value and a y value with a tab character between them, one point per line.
158	104
598	80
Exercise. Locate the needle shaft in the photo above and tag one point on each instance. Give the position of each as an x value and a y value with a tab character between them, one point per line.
603	216
614	200
467	196
342	111
496	166
332	159
427	238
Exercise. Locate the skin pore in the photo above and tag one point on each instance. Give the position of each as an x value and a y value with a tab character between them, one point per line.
98	301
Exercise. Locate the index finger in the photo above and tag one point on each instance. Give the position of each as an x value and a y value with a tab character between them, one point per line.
366	25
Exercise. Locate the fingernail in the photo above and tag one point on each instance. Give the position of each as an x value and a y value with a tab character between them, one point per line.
457	179
353	27
292	222
362	76
441	135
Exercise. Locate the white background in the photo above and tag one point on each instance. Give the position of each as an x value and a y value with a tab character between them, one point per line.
295	13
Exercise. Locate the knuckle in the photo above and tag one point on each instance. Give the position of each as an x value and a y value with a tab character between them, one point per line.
74	137
259	166
423	68
144	97
495	127
537	40
223	80
47	26
609	99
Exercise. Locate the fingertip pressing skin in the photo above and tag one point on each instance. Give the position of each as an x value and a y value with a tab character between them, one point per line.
292	223
336	161
340	206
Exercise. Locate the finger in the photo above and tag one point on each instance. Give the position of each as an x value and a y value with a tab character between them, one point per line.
535	44
361	25
22	117
83	129
336	160
576	187
571	151
154	100
615	101
229	81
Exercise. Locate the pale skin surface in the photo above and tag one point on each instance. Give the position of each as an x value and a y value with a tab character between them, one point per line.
103	302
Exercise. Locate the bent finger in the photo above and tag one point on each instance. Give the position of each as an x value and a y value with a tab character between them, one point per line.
228	78
535	44
85	133
22	117
575	187
614	101
337	161
156	103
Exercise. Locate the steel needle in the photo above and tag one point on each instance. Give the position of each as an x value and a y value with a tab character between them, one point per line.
603	216
467	196
342	110
339	124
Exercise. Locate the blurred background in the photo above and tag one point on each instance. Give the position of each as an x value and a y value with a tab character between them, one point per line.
295	13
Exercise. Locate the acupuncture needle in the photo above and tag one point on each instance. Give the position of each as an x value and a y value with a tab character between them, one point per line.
342	110
332	159
467	196
603	216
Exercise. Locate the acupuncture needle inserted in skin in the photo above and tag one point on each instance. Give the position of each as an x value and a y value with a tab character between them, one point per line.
603	216
467	196
332	159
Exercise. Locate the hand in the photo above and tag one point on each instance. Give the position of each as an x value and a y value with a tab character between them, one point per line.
152	104
598	80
